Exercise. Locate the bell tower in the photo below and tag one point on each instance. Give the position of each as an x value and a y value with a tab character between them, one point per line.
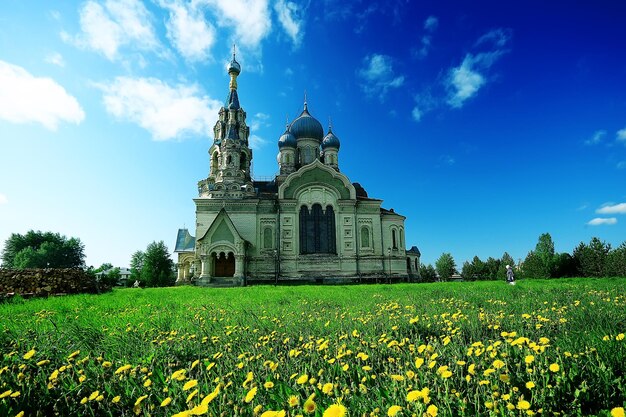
230	155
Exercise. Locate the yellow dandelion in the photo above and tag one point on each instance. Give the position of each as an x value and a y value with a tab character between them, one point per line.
497	364
140	399
335	410
20	414
199	410
190	384
268	385
250	395
529	359
393	410
619	336
191	395
327	388
530	385
617	412
302	380
73	354
122	369
309	406
446	374
5	394
397	377
29	354
554	367
293	401
84	400
43	362
106	364
431	411
116	399
523	405
504	378
100	398
94	395
419	362
257	409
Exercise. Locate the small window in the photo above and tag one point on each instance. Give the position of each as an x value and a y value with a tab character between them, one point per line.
393	239
268	241
365	237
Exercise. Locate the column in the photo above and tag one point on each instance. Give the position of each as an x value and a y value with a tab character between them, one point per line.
238	277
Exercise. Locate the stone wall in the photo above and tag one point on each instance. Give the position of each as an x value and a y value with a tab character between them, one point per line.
43	282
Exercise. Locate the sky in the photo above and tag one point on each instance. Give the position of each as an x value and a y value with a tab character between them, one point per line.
485	123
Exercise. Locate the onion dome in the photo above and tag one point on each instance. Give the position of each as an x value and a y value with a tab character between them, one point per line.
330	140
307	126
287	140
233	66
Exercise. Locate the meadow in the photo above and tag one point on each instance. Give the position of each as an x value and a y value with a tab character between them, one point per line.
542	347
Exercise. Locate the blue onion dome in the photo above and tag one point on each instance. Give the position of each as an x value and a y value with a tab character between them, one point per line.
330	140
234	66
307	126
287	140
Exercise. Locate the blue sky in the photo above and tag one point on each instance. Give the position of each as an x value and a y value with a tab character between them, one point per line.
485	123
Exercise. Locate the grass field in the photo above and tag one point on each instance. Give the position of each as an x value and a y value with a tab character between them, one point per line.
553	348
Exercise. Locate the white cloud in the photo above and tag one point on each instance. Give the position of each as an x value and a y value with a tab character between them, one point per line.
416	113
464	81
106	28
598	221
3	199
378	74
290	18
55	58
621	135
166	112
188	30
596	138
256	142
619	208
431	23
259	121
25	98
250	19
621	165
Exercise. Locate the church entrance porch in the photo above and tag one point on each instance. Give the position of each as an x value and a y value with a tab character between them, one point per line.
224	265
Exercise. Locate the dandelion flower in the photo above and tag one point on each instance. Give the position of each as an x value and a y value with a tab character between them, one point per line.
302	380
523	405
529	359
309	406
393	410
250	395
335	410
166	402
29	354
140	399
268	385
554	367
530	385
619	336
190	384
431	411
293	401
327	388
94	395
617	412
116	399
122	369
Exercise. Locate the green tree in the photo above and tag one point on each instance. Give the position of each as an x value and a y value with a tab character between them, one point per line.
491	268
564	265
532	267
475	270
37	249
544	250
616	262
428	273
445	266
136	265
591	259
158	267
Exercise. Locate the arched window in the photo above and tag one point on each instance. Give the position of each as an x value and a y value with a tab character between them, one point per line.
242	161
393	239
214	162
408	264
416	265
402	238
228	160
365	237
317	230
268	241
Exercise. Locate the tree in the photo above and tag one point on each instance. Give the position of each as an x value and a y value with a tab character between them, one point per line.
616	262
136	265
428	273
158	267
544	250
491	268
445	266
564	265
591	259
532	267
42	250
476	270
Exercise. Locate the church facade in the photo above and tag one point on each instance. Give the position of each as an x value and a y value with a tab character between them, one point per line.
309	223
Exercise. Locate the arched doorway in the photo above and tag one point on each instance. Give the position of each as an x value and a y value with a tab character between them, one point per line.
224	265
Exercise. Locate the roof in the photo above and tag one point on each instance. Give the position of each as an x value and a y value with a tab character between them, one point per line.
232	102
184	241
414	250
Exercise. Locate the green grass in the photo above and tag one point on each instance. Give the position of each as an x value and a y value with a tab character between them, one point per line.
325	332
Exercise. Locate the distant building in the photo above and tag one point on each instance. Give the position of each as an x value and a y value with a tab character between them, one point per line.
308	222
124	275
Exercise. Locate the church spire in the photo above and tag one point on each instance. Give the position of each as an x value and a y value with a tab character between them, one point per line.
234	69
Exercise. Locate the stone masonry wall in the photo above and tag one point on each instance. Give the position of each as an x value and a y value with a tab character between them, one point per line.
43	282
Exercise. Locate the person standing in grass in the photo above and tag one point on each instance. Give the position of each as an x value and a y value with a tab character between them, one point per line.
510	276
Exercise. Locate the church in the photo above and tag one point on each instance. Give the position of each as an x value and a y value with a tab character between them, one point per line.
309	223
